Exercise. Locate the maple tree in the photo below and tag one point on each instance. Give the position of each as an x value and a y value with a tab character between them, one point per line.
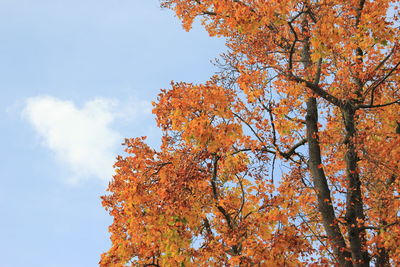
311	86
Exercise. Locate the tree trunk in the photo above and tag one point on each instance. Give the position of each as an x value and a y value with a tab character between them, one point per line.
317	172
354	204
321	186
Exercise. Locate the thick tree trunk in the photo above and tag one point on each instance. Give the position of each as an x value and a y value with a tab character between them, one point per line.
354	203
321	186
320	182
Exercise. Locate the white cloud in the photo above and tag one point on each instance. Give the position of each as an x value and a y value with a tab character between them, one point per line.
81	138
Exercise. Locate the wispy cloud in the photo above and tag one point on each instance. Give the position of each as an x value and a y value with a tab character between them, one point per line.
132	109
80	137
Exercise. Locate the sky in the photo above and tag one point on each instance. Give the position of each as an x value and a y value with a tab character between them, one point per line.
76	78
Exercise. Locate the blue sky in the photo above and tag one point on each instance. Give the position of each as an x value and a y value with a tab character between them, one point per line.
76	77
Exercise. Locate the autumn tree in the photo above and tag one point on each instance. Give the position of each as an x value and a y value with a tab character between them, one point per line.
289	156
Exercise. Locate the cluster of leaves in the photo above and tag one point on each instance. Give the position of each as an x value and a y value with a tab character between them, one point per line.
209	197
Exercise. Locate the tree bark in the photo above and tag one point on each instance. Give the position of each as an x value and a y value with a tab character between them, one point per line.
321	186
320	182
354	203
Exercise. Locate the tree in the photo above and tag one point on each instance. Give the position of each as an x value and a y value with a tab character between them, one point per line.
311	86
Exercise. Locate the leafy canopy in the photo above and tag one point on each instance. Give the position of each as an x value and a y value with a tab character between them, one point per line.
288	156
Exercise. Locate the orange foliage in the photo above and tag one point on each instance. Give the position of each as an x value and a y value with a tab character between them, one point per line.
209	197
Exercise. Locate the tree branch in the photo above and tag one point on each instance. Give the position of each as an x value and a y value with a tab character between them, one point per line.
318	91
378	106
